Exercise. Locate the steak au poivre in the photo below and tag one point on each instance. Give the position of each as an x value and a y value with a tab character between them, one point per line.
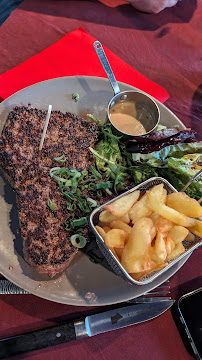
47	246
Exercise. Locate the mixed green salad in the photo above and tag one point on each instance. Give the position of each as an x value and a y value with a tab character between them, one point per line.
176	159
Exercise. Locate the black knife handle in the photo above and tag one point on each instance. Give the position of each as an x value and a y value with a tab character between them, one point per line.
37	339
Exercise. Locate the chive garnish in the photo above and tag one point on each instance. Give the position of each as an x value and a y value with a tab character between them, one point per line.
92	202
74	184
78	241
95	172
75	96
79	222
99	193
50	204
60	159
103	185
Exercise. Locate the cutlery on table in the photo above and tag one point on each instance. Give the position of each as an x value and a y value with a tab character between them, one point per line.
89	326
161	292
7	287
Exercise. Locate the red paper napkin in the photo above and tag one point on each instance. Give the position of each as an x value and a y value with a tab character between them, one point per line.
73	55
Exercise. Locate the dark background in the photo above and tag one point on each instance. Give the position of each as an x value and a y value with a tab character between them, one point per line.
7	7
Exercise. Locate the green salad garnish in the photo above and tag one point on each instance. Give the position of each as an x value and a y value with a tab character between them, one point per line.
76	186
75	97
176	163
50	204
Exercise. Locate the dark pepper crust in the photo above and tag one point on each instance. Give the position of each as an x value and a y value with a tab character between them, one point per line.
46	243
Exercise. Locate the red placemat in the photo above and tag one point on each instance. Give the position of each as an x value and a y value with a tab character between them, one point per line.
73	55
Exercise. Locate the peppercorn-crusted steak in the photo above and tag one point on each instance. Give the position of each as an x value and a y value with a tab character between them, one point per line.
46	243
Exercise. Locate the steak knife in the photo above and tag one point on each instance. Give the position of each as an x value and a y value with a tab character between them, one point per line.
89	326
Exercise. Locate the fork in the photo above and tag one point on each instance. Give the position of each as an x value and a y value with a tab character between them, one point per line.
7	287
160	293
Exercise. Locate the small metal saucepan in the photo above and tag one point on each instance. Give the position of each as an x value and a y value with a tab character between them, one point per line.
131	113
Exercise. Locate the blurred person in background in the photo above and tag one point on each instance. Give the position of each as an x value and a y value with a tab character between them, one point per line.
152	6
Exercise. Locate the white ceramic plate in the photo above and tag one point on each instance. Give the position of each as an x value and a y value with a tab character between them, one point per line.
83	283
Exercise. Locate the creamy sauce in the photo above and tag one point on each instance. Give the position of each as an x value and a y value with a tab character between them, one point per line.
127	124
125	117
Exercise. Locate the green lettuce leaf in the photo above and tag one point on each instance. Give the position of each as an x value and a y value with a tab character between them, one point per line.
142	172
160	158
109	160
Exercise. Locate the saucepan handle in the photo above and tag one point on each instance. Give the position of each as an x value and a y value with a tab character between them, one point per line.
106	66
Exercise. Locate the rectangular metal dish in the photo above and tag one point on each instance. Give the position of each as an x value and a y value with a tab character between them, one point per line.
112	260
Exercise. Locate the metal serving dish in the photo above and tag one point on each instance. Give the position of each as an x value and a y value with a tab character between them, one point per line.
111	259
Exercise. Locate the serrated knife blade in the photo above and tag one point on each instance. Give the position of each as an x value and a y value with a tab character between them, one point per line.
89	326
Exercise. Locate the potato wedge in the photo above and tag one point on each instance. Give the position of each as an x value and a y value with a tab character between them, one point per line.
106	228
139	275
140	209
114	253
153	232
122	205
196	228
101	231
170	245
136	253
158	190
163	225
118	224
190	237
178	233
154	216
106	217
184	204
101	224
167	212
119	252
159	253
178	250
115	238
164	196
